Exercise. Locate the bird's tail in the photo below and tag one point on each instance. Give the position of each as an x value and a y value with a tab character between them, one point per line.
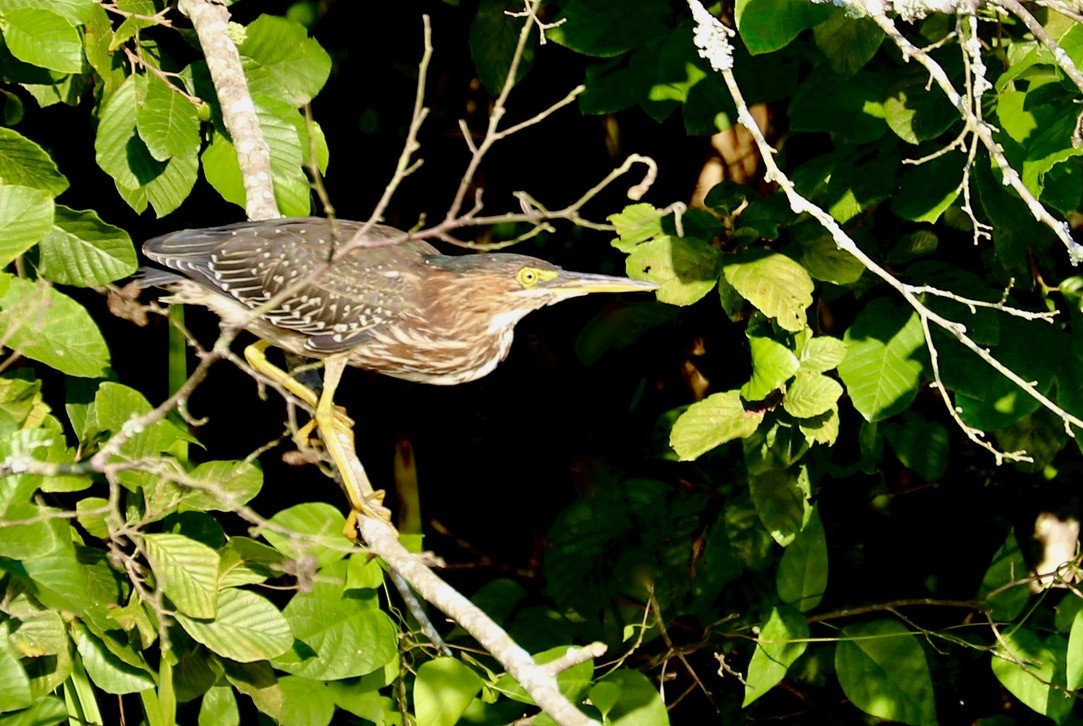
154	277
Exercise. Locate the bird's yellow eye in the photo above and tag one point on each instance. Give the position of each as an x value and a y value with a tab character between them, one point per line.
528	277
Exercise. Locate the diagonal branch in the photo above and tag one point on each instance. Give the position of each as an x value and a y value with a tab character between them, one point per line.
211	22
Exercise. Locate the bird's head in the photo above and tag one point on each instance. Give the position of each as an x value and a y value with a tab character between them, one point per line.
508	286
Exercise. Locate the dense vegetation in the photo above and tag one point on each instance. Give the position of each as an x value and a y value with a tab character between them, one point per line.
803	484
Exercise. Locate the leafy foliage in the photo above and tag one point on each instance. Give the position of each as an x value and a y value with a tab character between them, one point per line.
756	527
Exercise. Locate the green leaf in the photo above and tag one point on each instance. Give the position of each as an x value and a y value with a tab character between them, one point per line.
48	326
247	628
24	163
259	682
847	107
1074	654
847	42
282	62
109	673
278	123
778	287
60	581
628	698
44	712
167	121
927	190
317	533
329	622
97	44
685	268
781	497
244	561
119	152
43	38
83	250
31	540
168	190
230	484
186	570
219	708
222	171
1008	566
821	354
920	444
772	365
811	394
914	114
768	25
305	701
30	443
822	429
885	357
914	245
76	12
1034	671
636	224
14	683
802	572
780	642
712	422
824	260
39	632
26	214
1039	137
605	28
494	36
882	670
443	689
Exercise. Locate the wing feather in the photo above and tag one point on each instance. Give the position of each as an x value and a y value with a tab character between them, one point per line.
376	284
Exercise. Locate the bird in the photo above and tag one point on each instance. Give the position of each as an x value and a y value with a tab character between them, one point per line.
363	295
392	304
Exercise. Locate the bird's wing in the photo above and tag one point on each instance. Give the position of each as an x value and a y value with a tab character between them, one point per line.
255	261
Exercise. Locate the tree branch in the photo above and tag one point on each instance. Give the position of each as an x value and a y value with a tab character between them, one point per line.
211	22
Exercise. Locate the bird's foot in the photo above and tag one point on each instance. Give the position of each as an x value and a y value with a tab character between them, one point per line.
372	508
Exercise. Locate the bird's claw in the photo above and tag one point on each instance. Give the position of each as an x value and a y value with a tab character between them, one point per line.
372	508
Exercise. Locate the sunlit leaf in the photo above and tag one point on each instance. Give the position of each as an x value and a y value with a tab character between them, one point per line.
1033	671
43	38
109	673
712	422
780	642
779	287
186	570
282	62
26	214
443	689
83	250
686	269
24	163
45	325
885	358
247	628
882	670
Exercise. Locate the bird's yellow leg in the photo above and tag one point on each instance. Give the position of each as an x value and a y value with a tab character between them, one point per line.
256	356
339	442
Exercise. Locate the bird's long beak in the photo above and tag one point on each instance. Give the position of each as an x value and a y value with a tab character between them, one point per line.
583	283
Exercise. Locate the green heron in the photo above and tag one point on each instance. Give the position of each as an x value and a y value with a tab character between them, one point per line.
391	304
